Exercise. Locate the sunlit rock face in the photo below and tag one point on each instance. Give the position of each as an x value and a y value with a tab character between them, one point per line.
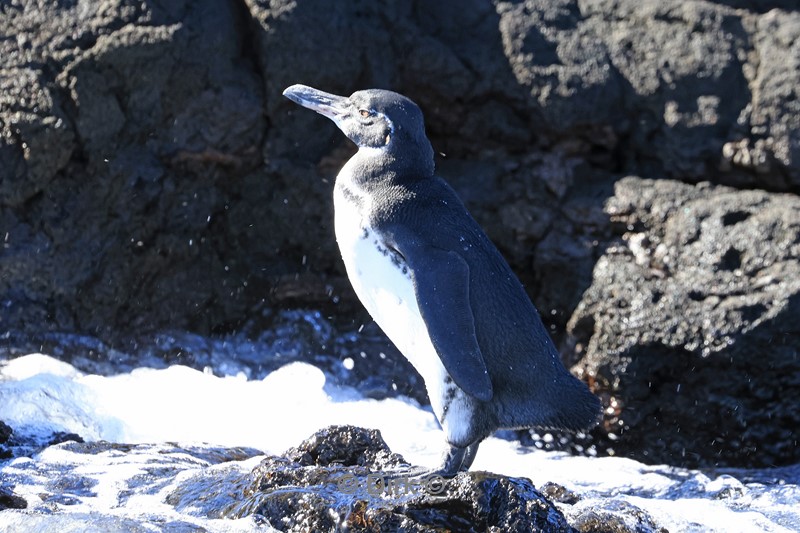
151	176
690	325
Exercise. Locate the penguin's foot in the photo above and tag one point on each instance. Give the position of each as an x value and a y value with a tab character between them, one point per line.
456	460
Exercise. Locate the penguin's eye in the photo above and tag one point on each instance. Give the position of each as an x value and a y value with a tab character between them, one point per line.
364	113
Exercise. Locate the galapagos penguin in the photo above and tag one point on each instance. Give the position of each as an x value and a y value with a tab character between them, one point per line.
437	286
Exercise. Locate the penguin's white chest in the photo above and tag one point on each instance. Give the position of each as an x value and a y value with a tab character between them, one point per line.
383	283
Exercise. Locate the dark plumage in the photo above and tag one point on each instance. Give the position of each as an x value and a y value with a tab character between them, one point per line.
436	284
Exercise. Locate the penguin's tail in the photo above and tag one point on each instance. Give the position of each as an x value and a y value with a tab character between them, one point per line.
566	404
584	411
575	408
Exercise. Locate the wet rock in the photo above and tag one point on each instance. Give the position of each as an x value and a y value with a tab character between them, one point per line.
5	435
59	437
559	493
10	501
67	486
689	327
614	517
25	443
346	477
5	432
346	446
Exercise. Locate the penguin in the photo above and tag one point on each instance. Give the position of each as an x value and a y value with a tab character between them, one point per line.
437	285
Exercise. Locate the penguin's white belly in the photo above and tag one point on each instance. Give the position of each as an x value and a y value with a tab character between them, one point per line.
383	284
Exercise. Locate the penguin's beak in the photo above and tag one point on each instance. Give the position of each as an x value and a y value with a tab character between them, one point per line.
330	105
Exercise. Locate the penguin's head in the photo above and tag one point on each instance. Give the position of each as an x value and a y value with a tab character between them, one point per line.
373	118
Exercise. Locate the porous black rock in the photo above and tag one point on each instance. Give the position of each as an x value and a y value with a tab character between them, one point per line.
690	326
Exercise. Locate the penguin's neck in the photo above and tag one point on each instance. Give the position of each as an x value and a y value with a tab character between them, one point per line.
373	168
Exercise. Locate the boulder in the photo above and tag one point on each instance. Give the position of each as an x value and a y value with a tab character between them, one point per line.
690	326
346	477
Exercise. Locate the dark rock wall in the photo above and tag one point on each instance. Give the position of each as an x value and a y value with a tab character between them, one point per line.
126	128
152	176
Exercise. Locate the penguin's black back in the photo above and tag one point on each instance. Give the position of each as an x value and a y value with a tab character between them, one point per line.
531	386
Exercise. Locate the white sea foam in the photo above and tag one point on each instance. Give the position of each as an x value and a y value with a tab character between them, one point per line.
39	395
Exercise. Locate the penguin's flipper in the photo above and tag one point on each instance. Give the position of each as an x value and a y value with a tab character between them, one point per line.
441	285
